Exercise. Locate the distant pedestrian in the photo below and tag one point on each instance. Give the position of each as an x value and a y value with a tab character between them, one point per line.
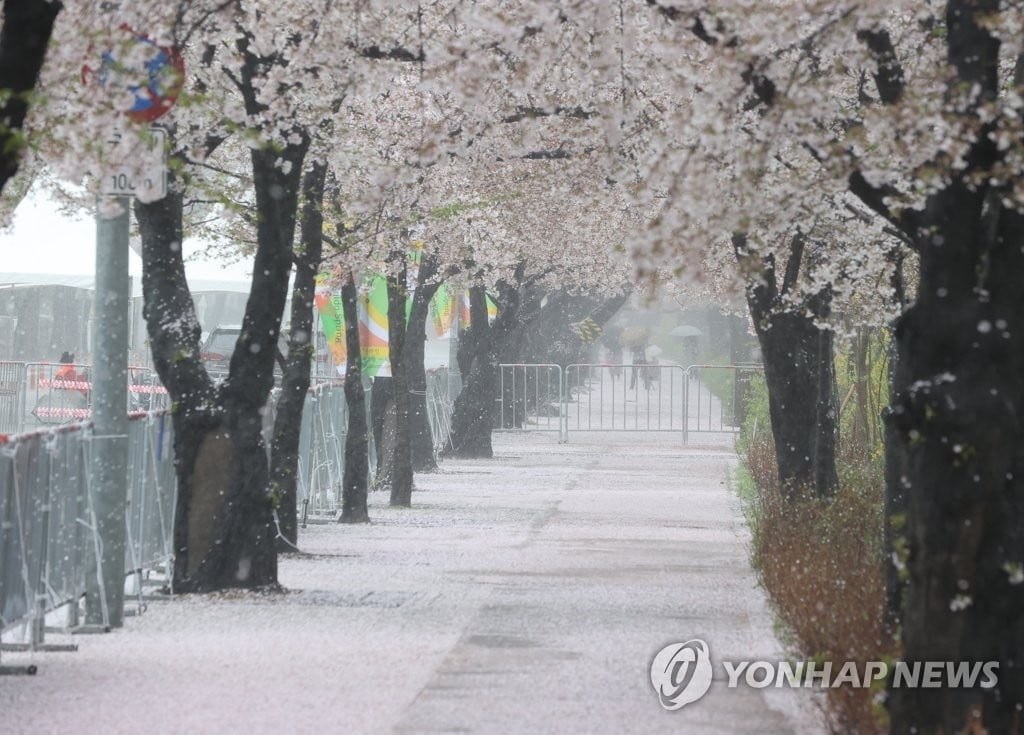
66	374
639	362
613	360
650	372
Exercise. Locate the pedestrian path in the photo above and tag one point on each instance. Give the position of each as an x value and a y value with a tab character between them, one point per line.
528	593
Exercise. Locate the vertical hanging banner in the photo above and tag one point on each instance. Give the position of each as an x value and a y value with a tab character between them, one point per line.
373	328
328	304
442	314
373	324
373	316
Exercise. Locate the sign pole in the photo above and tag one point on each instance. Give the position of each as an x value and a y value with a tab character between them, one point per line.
108	462
108	465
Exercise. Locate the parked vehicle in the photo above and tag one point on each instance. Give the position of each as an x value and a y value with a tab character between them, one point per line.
218	348
220	345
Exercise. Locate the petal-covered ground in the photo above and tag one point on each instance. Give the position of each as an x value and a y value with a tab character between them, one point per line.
528	593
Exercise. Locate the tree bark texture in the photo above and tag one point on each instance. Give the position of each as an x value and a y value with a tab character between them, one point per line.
959	404
799	371
224	532
381	405
472	418
284	447
421	437
357	443
955	443
401	468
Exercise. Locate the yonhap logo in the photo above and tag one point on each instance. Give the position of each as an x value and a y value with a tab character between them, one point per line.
681	673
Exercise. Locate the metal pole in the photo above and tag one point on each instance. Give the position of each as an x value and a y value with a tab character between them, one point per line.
686	406
108	467
563	402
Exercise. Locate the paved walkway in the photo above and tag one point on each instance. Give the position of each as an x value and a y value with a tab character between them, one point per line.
523	594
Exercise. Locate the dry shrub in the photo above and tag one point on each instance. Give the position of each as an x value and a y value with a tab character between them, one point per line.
822	565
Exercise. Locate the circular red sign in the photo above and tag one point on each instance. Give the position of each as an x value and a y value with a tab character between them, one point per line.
163	71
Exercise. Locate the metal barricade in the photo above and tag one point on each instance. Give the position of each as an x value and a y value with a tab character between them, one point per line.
621	397
322	450
325	428
152	486
145	391
47	544
56	393
717	396
529	398
440	407
12	393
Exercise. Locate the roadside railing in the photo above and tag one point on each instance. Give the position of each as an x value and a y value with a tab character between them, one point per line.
529	397
324	431
322	450
647	397
12	391
48	548
441	406
55	393
717	397
644	397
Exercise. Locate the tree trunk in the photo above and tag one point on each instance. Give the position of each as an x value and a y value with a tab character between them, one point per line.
547	330
357	458
472	418
382	396
24	39
420	436
224	529
959	411
799	371
174	334
222	526
284	448
401	467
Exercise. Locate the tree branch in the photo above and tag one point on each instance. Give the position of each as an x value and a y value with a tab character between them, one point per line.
796	255
874	198
889	75
524	112
395	53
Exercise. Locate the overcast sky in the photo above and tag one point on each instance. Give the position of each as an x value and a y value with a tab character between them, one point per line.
42	240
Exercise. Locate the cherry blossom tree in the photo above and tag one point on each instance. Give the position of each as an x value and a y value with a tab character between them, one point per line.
930	146
819	148
24	40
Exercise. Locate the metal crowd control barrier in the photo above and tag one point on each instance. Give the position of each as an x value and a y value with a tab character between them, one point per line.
529	398
12	392
322	440
322	450
57	393
47	544
623	397
717	396
649	397
440	407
